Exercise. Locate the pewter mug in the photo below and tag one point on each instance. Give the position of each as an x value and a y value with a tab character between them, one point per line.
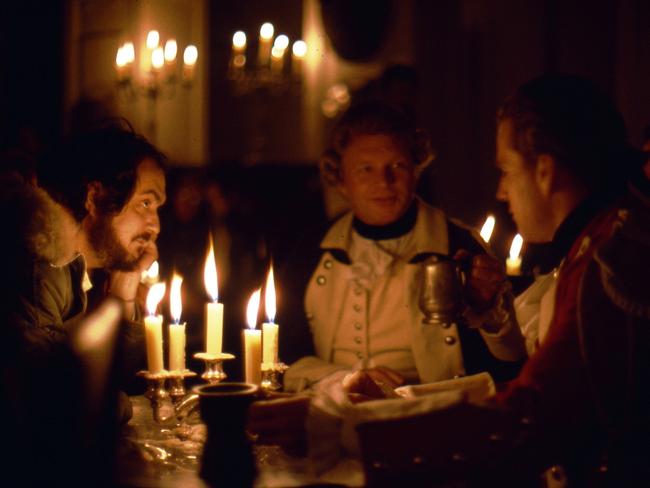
441	290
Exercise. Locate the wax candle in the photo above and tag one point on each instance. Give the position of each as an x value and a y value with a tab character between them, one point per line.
214	309
488	227
153	329
238	56
253	342
298	50
190	56
176	329
270	329
513	263
264	51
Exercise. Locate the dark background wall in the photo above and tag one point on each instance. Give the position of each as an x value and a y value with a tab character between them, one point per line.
469	54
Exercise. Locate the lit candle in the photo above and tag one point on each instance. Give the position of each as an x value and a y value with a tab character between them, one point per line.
153	329
214	310
488	227
153	39
176	329
238	57
190	56
170	52
298	50
158	58
513	263
270	329
277	53
129	52
120	63
264	52
252	342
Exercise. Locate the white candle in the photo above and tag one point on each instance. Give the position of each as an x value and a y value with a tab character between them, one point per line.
190	56
299	50
153	329
253	342
264	52
513	263
176	329
270	329
214	310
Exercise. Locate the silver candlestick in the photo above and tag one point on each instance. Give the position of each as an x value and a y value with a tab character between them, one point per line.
272	376
156	392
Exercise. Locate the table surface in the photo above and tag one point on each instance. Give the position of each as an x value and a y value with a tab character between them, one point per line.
168	455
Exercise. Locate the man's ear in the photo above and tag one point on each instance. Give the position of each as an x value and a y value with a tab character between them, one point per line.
546	174
93	191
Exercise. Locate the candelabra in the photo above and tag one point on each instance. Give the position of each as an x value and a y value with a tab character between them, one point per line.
272	68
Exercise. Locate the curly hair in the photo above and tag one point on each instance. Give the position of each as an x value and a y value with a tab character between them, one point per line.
570	119
109	155
374	118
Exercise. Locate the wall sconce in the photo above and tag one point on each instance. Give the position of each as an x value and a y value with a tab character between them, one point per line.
274	68
162	71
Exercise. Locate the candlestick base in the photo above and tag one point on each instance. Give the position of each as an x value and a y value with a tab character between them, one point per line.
177	384
214	366
272	376
156	392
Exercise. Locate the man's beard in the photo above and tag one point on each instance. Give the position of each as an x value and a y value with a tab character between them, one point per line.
109	250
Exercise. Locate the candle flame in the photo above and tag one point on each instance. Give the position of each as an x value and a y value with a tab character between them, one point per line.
269	296
277	53
239	39
152	272
129	52
515	247
299	49
281	42
158	58
171	49
190	55
176	304
488	227
120	58
266	31
210	275
156	293
153	38
253	308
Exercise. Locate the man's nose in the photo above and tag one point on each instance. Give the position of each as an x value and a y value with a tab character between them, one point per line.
153	223
388	176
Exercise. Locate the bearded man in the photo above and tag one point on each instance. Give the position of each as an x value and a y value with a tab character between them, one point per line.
107	186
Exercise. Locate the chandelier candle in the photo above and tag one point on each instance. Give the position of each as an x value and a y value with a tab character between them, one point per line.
214	309
176	329
270	329
253	342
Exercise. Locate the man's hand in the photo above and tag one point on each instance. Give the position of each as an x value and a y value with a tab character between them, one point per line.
484	279
372	384
125	284
281	422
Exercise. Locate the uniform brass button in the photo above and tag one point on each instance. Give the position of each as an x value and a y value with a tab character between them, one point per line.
359	355
358	291
356	307
445	325
450	340
357	326
327	263
321	280
357	340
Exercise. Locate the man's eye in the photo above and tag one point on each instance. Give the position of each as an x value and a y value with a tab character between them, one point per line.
146	203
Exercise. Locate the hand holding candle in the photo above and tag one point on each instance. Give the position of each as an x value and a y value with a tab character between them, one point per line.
153	329
252	342
513	263
176	329
214	310
270	329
